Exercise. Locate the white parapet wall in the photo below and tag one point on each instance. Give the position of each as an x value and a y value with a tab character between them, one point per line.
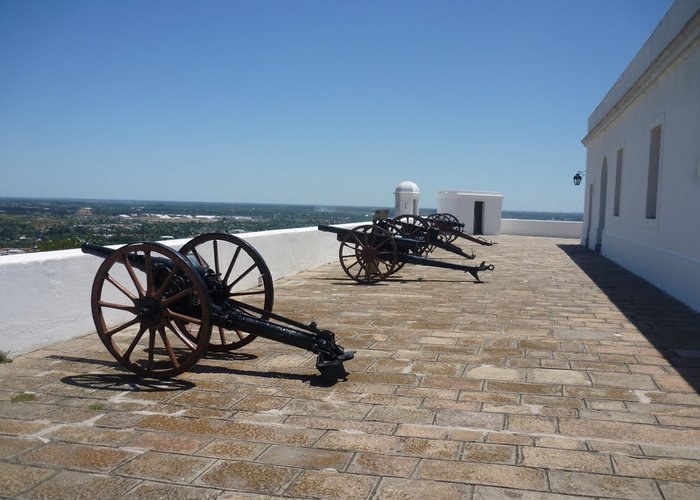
551	228
46	295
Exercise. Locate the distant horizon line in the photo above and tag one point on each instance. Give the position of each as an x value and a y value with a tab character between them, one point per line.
49	198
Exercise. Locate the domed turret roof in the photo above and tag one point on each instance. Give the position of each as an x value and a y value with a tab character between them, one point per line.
407	187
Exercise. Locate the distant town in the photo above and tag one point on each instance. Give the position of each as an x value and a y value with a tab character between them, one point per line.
35	225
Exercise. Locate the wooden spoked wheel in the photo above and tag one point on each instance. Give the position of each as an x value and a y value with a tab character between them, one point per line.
368	254
240	276
151	310
395	230
416	228
447	226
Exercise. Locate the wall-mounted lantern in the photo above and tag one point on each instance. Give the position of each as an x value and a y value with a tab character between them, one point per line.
577	178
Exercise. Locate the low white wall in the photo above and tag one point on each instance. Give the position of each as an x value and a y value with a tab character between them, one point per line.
46	295
552	228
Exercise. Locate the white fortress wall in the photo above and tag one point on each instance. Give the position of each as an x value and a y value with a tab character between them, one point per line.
655	232
552	228
46	295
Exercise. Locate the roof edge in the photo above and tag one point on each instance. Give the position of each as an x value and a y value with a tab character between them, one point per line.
674	35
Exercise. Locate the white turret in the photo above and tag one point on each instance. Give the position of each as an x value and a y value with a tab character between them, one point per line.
406	198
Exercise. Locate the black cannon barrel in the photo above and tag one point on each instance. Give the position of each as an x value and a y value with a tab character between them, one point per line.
333	229
432	234
138	261
473	270
403	244
474	239
446	245
455	229
96	250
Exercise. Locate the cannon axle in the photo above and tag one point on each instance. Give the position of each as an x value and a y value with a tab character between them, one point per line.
330	356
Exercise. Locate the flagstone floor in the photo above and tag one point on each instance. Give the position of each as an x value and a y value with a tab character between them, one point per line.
560	376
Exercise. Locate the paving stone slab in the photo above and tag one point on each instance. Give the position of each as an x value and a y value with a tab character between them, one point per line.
82	486
666	469
16	479
491	493
629	432
600	485
383	465
569	334
480	473
305	457
408	489
148	490
489	453
170	467
331	484
11	446
550	458
246	476
680	490
91	458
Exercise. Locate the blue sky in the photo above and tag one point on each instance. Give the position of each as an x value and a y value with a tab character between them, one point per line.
307	101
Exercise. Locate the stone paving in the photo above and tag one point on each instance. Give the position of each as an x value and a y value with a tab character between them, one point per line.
561	376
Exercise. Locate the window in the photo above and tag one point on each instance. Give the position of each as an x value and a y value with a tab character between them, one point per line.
618	183
653	178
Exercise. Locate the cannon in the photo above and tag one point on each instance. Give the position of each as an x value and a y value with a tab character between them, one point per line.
449	229
155	309
370	253
426	231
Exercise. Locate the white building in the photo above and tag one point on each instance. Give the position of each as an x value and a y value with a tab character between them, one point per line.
479	212
642	200
406	198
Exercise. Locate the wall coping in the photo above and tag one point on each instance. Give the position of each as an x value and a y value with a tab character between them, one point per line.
484	194
674	36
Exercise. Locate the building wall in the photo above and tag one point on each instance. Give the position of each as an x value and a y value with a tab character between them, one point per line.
406	199
665	250
406	203
461	205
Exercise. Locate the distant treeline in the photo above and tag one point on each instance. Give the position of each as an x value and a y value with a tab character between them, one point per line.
32	224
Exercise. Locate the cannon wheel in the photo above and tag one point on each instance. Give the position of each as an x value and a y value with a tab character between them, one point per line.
135	311
414	227
368	254
235	263
394	230
445	224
